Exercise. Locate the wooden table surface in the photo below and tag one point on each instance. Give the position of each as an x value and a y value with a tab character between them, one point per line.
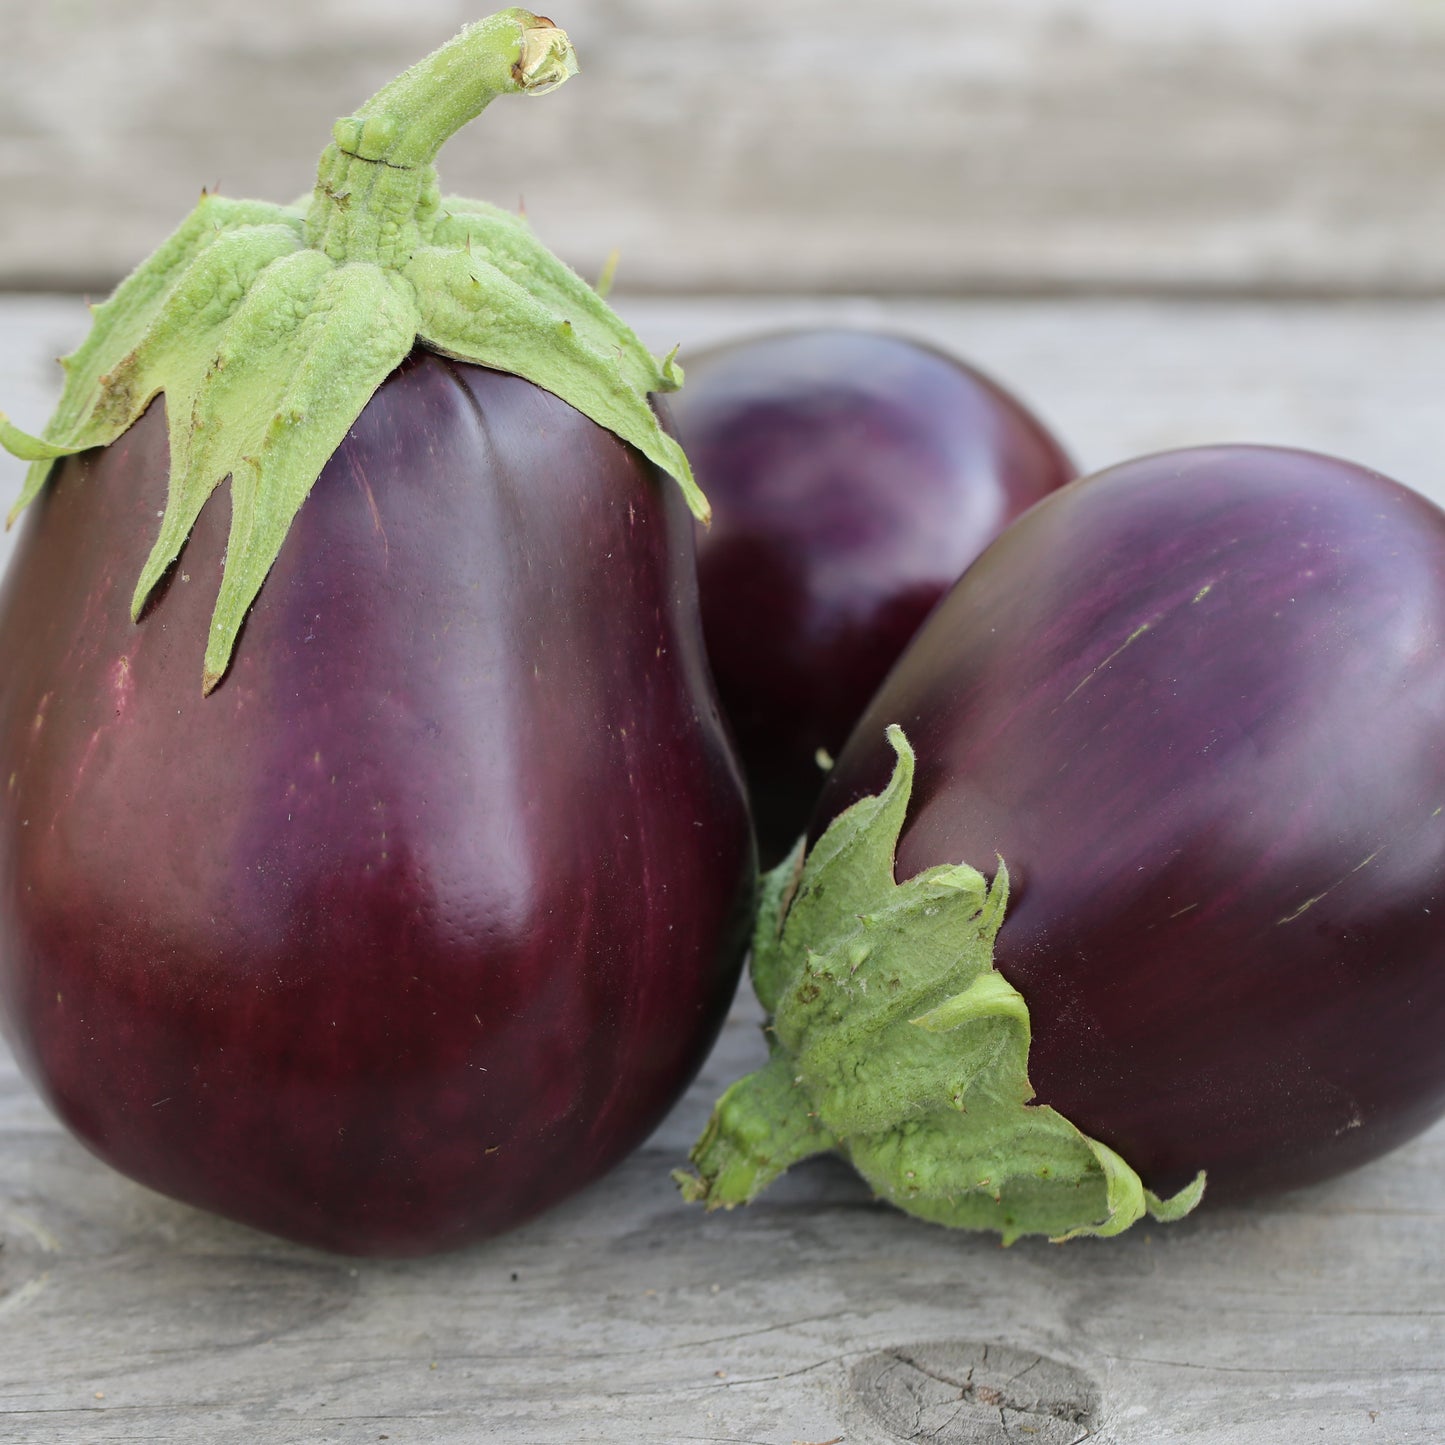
816	1315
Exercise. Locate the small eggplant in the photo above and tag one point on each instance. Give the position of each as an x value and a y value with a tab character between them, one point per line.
853	476
420	912
1196	704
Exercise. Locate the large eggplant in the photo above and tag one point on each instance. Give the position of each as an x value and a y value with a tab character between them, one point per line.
423	916
853	475
1196	704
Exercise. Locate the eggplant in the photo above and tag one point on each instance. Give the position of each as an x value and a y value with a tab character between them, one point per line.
853	475
421	910
1196	705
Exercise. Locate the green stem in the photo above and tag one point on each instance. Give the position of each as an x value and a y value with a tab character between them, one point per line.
376	196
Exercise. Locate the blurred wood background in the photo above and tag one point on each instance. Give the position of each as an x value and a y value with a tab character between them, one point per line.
944	146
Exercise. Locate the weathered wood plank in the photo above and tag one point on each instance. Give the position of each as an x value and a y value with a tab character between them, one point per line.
1115	378
624	1316
833	145
816	1314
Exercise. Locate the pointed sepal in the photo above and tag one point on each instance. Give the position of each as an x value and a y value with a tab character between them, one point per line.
473	311
105	385
762	1126
900	1040
506	240
306	375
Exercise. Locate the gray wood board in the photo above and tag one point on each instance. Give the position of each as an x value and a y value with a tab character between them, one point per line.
1114	378
950	145
816	1314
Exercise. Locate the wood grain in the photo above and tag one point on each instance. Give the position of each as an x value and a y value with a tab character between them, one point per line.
816	1314
625	1316
831	145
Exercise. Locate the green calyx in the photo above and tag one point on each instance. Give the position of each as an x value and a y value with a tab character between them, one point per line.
268	328
897	1043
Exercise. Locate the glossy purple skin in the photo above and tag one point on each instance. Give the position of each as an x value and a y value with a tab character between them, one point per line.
853	476
425	917
1197	705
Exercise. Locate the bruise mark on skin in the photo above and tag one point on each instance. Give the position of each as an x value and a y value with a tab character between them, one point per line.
375	518
122	685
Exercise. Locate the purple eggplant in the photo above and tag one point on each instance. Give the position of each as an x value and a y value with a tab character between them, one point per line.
374	865
425	917
1196	705
853	476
